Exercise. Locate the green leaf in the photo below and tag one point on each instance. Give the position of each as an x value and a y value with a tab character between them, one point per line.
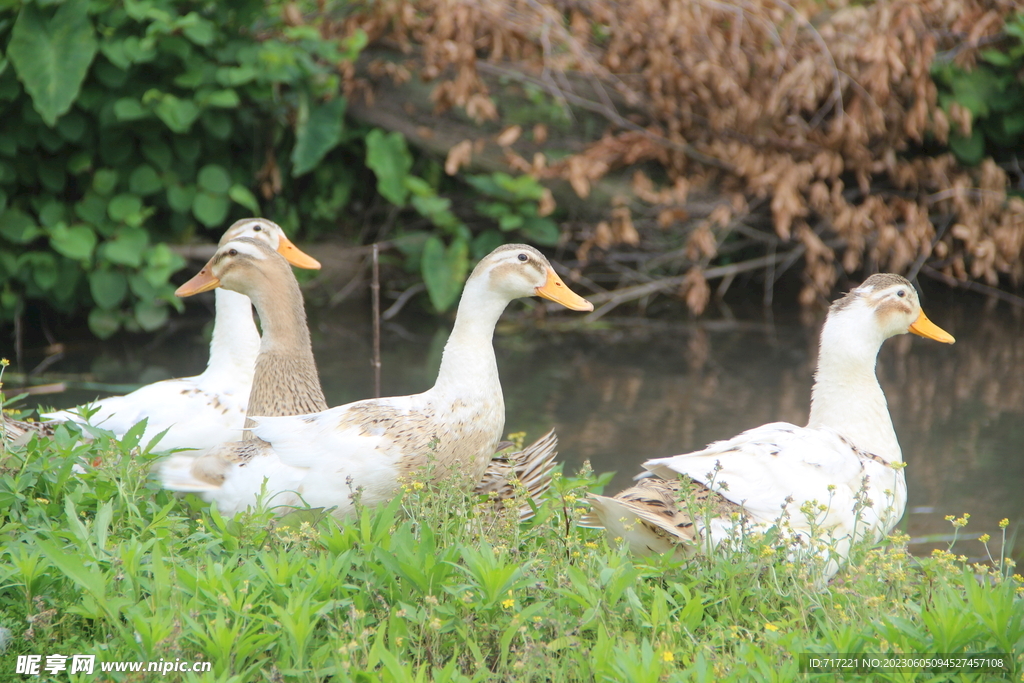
79	163
104	181
51	213
52	56
123	207
176	113
317	131
231	76
180	197
541	231
115	51
127	247
162	263
225	99
130	109
444	270
92	208
76	242
151	315
996	57
104	323
108	288
210	209
969	150
18	227
42	266
197	29
389	158
486	242
241	195
158	153
144	180
214	178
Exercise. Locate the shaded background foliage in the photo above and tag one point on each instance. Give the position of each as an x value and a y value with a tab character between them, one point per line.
733	140
134	124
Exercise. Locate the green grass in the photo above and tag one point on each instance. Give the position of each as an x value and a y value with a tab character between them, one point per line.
428	588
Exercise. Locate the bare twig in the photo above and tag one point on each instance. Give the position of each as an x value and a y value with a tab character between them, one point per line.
973	286
620	296
375	295
403	299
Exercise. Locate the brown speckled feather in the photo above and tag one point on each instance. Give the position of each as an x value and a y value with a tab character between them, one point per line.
522	475
16	432
662	509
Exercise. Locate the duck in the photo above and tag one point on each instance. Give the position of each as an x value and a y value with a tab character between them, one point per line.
209	409
838	479
321	459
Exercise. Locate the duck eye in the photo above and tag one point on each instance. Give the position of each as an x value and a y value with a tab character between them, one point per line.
233	252
901	293
257	228
524	257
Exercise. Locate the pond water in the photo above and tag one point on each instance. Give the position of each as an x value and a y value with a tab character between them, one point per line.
642	389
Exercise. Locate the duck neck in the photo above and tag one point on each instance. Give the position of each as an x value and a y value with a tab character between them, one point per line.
286	381
468	360
236	342
846	396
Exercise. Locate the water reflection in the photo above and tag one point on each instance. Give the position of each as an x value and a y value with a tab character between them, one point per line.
618	397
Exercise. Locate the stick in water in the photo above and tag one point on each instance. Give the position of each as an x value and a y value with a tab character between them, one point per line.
375	293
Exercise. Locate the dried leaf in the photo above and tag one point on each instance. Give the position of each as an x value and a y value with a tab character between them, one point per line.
508	136
458	156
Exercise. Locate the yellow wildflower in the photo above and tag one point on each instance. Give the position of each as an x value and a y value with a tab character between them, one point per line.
667	656
769	626
508	604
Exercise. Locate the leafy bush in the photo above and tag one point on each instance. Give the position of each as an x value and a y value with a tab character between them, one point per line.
443	255
134	123
993	93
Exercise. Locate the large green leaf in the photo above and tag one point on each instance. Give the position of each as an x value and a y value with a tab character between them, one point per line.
444	270
76	242
214	178
210	209
127	248
18	227
42	267
108	288
52	55
123	207
389	158
144	180
178	114
543	231
240	194
317	132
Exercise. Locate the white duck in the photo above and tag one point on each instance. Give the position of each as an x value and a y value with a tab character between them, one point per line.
321	459
839	478
208	409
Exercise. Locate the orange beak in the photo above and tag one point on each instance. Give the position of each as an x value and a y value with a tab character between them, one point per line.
204	281
556	290
926	328
295	256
